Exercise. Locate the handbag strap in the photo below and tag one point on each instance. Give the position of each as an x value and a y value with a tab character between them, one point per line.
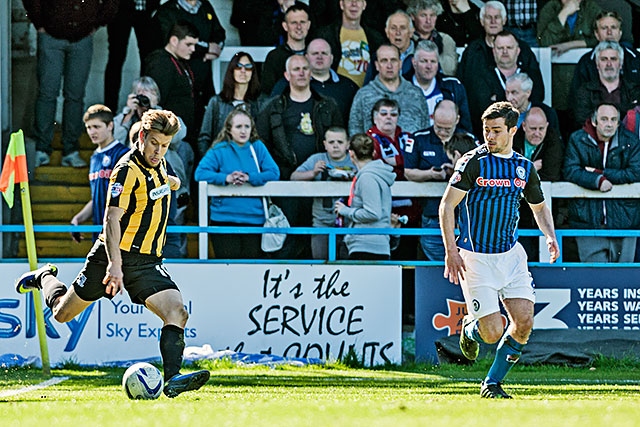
264	199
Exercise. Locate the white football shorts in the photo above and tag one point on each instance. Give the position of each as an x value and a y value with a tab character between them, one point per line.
492	276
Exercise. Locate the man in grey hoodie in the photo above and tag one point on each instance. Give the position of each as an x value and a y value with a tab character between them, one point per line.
389	84
369	204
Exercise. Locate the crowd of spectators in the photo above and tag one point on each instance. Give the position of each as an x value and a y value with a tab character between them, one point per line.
384	70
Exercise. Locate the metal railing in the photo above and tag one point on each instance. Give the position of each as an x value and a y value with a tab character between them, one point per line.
552	190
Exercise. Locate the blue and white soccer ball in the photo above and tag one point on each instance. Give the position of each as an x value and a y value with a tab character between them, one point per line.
142	381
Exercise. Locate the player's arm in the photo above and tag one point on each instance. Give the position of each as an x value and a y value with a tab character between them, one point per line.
174	183
422	175
112	235
544	219
454	267
84	214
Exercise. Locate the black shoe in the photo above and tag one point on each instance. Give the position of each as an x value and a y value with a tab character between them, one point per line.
493	391
31	279
469	347
180	383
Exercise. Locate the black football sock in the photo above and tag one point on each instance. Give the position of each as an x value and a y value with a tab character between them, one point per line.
52	289
171	349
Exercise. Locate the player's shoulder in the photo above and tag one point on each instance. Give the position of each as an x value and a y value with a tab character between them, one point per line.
472	156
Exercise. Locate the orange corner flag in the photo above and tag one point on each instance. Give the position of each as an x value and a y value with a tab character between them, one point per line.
14	169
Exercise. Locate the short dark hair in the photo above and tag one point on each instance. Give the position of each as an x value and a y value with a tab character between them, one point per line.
336	129
183	29
502	110
297	7
460	142
507	33
362	146
384	102
100	112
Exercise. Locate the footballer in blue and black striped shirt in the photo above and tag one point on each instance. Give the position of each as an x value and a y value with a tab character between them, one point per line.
487	260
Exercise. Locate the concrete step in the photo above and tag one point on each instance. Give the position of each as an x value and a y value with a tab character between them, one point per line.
47	213
60	193
57	248
61	175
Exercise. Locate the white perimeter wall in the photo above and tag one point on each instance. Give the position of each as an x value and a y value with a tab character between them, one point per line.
287	310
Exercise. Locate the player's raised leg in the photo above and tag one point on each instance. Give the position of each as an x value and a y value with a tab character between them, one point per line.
64	303
168	305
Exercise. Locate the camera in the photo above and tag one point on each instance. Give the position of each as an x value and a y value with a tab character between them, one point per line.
183	200
143	101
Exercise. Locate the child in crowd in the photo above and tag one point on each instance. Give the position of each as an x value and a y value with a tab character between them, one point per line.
334	165
98	122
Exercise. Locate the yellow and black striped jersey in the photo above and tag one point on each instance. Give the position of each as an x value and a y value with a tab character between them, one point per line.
144	194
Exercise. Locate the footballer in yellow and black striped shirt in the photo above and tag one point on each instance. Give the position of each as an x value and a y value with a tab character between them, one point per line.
128	253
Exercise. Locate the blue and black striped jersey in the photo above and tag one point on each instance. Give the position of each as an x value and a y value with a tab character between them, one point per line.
494	185
100	166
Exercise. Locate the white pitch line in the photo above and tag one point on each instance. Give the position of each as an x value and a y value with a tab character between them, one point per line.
47	383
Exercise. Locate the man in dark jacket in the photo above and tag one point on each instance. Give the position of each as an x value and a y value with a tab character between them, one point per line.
479	53
426	66
292	126
296	25
65	49
355	42
607	27
540	143
598	156
211	37
611	86
170	69
488	81
426	160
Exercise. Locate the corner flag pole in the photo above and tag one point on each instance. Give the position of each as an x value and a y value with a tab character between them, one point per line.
14	170
33	264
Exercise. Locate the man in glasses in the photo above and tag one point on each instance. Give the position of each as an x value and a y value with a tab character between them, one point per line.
426	160
389	84
296	24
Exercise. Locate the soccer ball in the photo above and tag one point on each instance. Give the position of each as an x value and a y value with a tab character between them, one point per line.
142	381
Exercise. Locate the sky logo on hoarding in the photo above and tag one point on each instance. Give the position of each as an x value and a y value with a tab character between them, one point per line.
15	324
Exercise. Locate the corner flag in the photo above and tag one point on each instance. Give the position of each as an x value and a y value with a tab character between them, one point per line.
14	169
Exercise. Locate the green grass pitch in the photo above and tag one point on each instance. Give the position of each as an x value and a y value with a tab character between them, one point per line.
604	394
